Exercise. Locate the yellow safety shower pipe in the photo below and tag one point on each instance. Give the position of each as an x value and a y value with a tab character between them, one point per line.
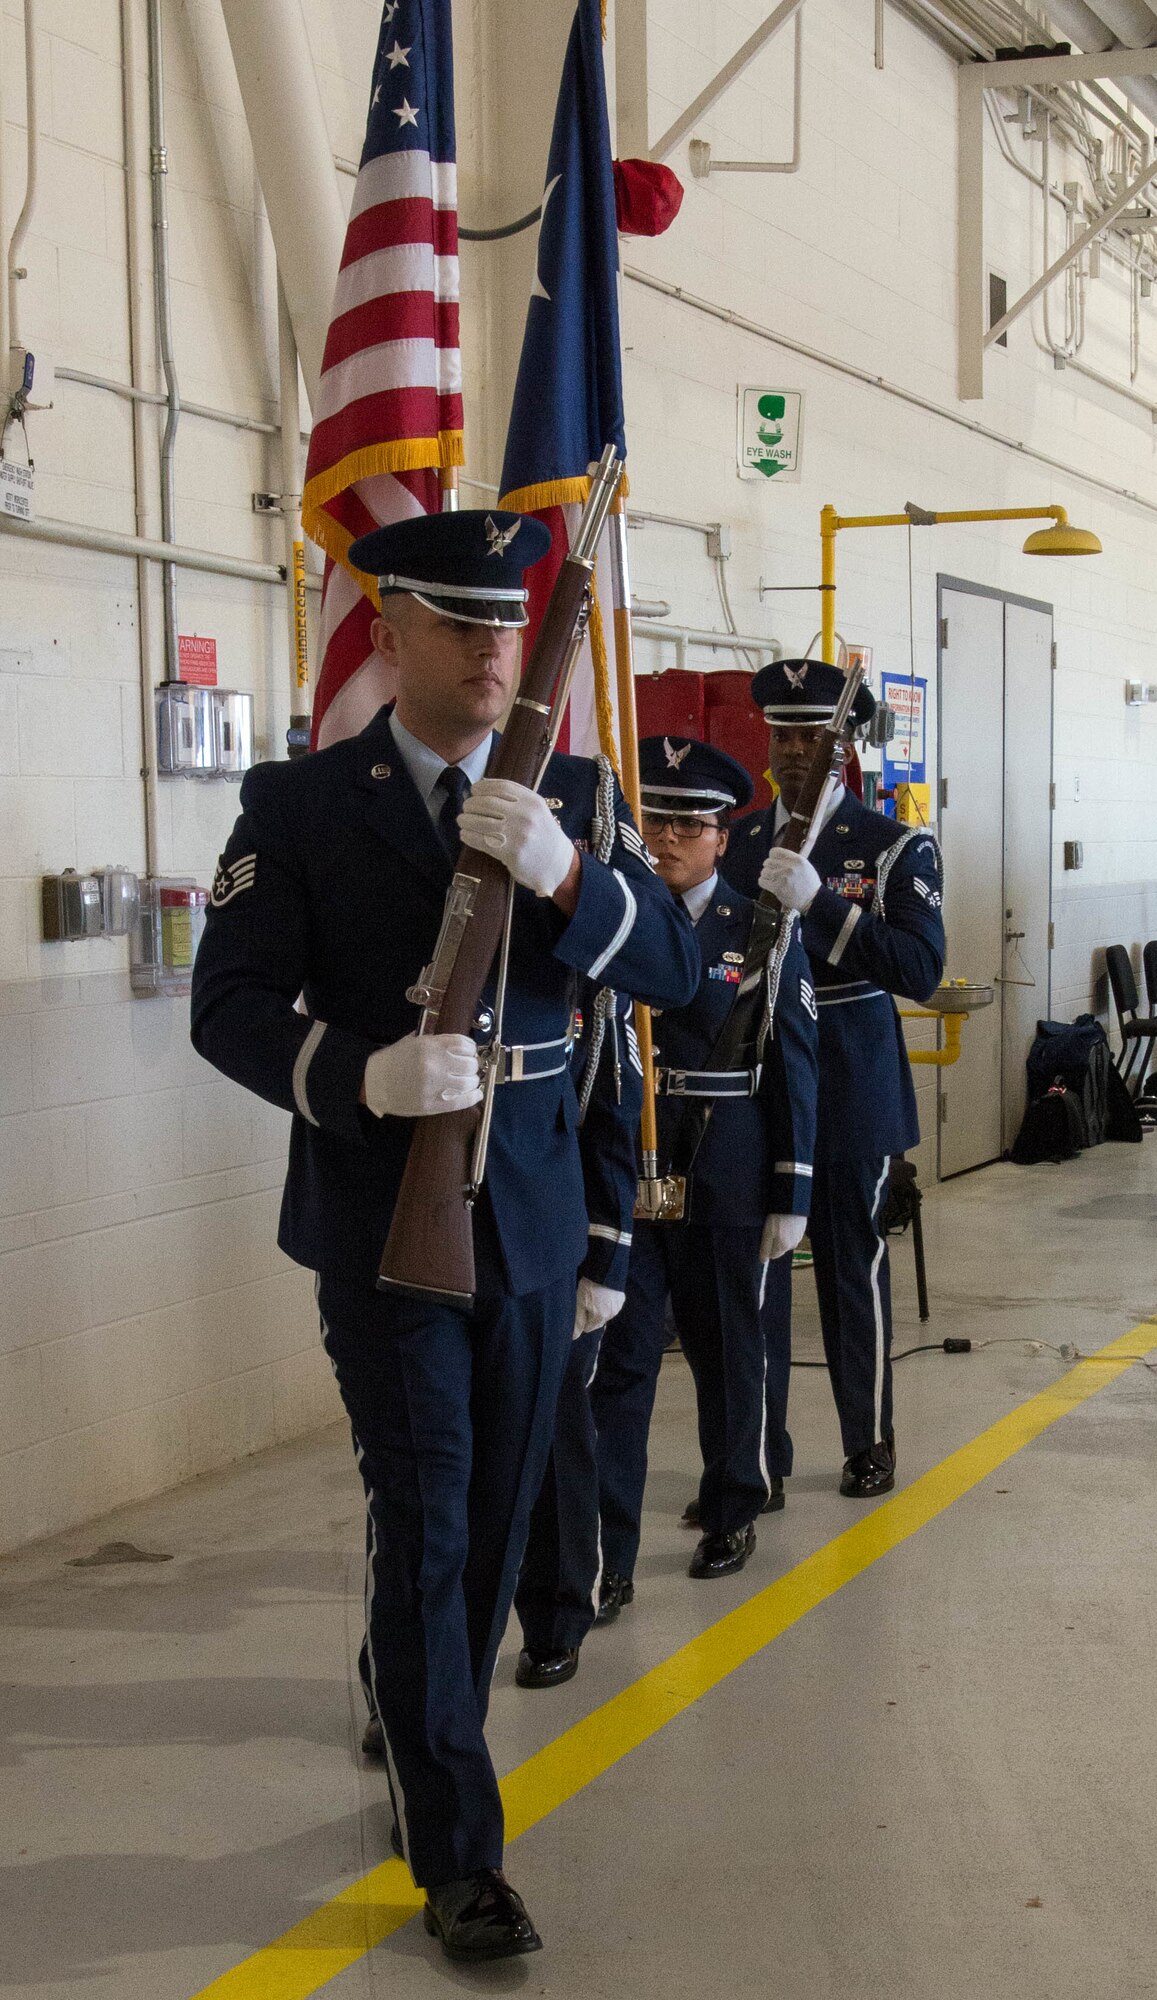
944	1057
1061	539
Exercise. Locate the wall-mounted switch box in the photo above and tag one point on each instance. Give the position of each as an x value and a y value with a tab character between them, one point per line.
119	895
70	906
1074	854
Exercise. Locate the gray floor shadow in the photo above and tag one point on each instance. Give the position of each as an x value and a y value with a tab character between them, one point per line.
75	1916
194	1593
164	1714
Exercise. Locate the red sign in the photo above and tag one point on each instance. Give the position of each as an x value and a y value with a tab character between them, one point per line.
198	660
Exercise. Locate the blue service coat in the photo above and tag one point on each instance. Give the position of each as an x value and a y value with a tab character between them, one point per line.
755	1158
607	1139
876	928
332	886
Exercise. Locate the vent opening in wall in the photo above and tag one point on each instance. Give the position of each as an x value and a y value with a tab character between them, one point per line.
997	305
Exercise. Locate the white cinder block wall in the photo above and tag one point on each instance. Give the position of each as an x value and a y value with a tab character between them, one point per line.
149	1329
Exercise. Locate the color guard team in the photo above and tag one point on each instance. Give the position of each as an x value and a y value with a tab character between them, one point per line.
503	1444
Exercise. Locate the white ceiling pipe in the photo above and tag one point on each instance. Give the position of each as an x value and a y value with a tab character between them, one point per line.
294	157
23	220
1130	20
1087	28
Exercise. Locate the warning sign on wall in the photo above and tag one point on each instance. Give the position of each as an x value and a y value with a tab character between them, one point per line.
198	659
770	421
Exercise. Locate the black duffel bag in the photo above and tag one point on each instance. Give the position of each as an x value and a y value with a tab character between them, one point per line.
1076	1055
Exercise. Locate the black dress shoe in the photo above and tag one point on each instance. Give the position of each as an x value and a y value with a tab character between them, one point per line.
689	1518
374	1740
722	1555
546	1670
615	1591
868	1473
479	1918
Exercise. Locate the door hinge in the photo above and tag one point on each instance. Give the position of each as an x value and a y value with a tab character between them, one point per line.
1052	798
943	635
1053	655
1052	936
943	793
943	1106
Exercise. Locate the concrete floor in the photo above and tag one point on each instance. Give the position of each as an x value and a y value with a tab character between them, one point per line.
939	1783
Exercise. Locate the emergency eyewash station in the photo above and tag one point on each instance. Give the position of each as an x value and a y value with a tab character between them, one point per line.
955	999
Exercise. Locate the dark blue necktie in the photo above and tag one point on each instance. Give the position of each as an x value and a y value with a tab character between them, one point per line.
455	787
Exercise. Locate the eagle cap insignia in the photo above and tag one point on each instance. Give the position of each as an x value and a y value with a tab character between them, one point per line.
499	539
796	680
675	758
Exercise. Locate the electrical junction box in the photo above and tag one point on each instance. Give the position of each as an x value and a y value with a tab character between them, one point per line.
203	732
70	907
170	920
233	722
119	895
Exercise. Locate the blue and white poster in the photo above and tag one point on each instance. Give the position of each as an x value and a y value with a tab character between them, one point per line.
905	757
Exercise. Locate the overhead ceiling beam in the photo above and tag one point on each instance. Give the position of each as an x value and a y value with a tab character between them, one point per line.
973	79
688	119
1076	247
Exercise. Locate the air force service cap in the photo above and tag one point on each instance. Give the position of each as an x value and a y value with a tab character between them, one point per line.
681	777
805	692
467	565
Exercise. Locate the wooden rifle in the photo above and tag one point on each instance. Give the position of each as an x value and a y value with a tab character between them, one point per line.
430	1248
738	1043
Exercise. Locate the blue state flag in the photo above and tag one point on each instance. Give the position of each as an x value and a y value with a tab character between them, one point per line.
568	399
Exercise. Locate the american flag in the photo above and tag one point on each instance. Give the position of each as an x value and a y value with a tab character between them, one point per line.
389	407
568	399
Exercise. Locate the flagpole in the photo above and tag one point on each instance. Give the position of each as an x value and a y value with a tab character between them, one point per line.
448	481
629	758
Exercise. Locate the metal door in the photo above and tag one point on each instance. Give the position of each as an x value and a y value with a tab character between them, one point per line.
972	836
996	830
1028	771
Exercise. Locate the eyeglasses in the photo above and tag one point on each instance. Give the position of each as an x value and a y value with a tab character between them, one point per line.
681	828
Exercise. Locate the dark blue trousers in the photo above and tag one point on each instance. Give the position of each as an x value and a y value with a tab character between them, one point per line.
714	1279
557	1590
452	1415
855	1298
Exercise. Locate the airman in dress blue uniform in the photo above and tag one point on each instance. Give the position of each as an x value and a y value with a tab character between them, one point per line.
746	1202
556	1599
332	888
870	899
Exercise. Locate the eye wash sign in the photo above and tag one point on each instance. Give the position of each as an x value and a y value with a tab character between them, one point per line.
770	424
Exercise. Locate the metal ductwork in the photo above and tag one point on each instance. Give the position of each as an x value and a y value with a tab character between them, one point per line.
1113	24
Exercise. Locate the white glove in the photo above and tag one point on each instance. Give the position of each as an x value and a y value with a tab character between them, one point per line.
781	1233
422	1075
789	878
517	826
594	1306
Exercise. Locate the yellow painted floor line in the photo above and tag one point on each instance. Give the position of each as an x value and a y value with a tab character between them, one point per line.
305	1958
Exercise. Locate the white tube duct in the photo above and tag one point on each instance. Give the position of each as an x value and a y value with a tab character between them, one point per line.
294	159
23	220
1089	30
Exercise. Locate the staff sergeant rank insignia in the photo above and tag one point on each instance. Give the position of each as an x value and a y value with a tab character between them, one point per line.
232	879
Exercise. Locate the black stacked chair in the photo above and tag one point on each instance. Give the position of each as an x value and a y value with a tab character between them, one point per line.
1138	1031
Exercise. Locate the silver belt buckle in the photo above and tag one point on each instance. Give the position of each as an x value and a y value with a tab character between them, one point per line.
514	1070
